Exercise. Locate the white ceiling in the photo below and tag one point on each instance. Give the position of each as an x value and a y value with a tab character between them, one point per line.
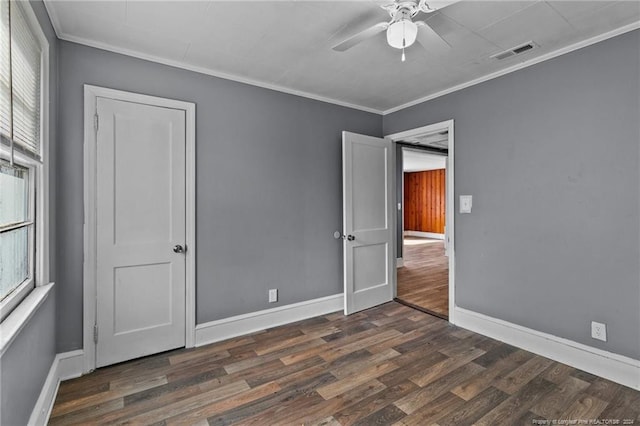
416	161
286	45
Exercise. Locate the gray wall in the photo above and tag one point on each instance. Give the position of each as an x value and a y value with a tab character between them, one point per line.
25	364
551	156
268	186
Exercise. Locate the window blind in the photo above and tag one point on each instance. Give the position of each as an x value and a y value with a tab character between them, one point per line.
5	90
20	102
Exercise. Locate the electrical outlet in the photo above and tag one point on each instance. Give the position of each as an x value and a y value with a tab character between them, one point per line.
273	295
599	331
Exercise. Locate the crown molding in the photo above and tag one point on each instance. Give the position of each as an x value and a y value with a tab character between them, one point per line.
547	56
55	21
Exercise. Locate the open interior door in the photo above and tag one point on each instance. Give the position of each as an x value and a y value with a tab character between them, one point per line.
367	221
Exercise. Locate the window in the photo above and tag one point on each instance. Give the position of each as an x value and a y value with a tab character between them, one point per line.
23	189
16	227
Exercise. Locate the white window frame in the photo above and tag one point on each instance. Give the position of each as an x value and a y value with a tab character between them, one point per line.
38	184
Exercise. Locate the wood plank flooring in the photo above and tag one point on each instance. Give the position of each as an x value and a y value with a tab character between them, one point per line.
387	365
423	281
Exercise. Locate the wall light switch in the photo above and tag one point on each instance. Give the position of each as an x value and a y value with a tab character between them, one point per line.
466	201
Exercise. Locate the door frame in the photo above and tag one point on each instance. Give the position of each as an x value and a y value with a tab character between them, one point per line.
450	203
91	93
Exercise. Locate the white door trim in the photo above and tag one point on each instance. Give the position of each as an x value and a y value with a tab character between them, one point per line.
91	93
443	125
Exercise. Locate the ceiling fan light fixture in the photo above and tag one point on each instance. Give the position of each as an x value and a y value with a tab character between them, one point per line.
402	34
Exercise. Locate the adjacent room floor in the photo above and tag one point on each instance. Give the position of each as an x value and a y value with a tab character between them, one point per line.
423	281
390	364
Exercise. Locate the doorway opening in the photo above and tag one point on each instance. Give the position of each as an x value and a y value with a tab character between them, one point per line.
424	232
423	279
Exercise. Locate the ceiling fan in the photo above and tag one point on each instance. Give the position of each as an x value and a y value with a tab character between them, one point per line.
402	31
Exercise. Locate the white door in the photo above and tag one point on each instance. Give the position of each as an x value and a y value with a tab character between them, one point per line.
140	306
367	221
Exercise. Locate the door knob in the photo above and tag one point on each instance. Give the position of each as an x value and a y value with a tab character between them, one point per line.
178	249
338	235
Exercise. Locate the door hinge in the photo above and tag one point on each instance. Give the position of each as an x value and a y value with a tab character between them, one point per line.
95	121
95	333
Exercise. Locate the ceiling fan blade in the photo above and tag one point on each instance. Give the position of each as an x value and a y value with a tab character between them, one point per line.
361	36
428	6
431	40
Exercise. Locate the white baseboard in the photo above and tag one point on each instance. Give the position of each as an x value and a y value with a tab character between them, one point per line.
424	234
614	367
227	328
70	364
399	262
64	366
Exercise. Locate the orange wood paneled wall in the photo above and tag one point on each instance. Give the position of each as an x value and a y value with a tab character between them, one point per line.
424	201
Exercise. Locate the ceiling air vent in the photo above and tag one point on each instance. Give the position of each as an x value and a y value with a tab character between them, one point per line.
515	50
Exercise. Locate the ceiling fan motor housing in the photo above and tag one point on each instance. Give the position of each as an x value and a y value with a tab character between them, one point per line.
403	14
406	9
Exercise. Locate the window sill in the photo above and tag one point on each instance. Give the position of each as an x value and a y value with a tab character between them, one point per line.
20	316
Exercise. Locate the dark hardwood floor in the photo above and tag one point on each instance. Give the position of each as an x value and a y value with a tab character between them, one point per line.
387	365
423	281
